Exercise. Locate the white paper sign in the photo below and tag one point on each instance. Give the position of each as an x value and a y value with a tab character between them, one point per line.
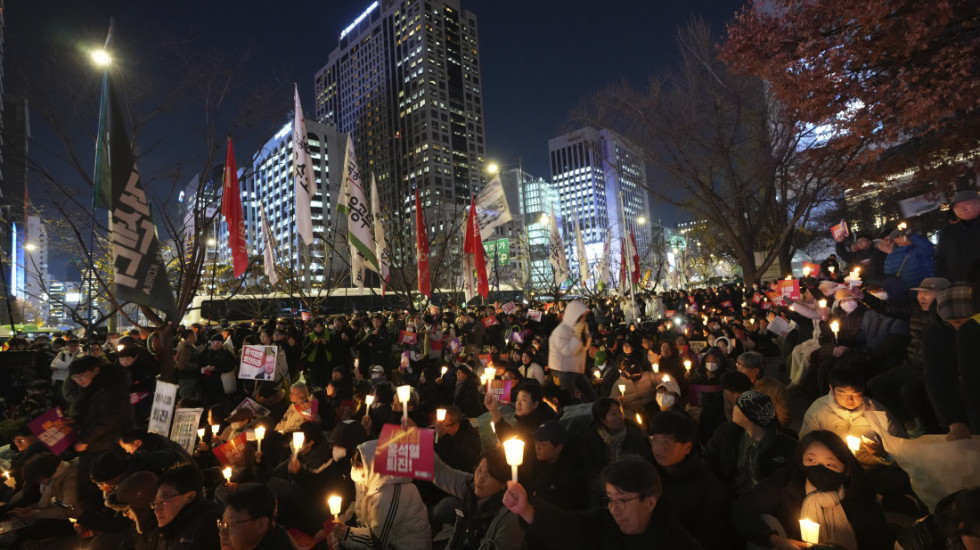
162	411
779	327
184	430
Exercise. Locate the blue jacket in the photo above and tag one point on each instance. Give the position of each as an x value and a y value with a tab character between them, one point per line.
911	263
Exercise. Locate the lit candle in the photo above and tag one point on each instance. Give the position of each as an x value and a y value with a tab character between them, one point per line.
6	474
656	368
259	435
444	371
687	365
493	427
404	394
853	443
622	389
368	400
902	226
806	271
835	328
831	268
598	374
809	531
200	433
639	419
298	439
227	473
666	378
334	503
752	321
789	277
214	429
440	415
514	450
822	303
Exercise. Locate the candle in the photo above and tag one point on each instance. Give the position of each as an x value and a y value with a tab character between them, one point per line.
514	450
214	429
752	321
687	365
831	268
598	374
227	473
789	277
835	328
440	415
493	427
622	389
853	443
368	399
259	434
200	433
902	226
334	503
444	371
822	303
298	439
656	367
639	419
6	474
666	378
404	394
809	531
806	271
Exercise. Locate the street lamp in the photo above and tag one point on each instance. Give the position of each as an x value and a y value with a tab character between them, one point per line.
101	58
642	220
493	168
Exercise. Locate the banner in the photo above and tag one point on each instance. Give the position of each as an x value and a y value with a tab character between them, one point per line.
498	250
776	299
139	272
380	245
259	363
500	389
559	260
54	432
352	203
184	430
605	273
268	252
305	182
405	453
915	206
474	260
409	338
422	248
232	453
491	208
162	410
231	209
252	405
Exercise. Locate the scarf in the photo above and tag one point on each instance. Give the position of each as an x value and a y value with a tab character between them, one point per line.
824	507
613	441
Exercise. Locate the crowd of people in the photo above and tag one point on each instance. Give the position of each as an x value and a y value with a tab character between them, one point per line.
673	422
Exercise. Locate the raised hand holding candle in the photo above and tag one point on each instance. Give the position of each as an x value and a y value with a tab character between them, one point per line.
444	371
806	271
809	531
404	394
259	435
200	433
822	303
622	389
298	439
368	400
687	366
853	443
514	450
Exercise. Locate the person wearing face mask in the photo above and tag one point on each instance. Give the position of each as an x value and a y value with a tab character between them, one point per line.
609	437
668	395
388	511
716	407
824	483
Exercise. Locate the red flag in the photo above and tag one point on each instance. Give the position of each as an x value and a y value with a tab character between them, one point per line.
422	245
231	209
636	259
474	245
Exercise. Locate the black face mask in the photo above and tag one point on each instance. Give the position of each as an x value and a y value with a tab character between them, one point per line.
823	478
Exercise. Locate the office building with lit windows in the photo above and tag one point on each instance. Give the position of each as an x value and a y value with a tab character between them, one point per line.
404	80
589	169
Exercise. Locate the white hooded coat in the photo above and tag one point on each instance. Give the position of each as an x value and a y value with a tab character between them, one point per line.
566	350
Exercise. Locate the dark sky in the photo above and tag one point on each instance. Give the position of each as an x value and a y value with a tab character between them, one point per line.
538	57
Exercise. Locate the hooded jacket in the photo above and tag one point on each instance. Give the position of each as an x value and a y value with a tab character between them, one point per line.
390	512
566	349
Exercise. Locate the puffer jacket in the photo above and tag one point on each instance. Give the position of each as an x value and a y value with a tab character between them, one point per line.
566	350
390	512
826	414
911	263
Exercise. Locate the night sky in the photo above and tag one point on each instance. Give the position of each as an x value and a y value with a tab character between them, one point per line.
538	57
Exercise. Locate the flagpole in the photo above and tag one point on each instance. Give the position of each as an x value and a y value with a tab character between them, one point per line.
103	114
629	268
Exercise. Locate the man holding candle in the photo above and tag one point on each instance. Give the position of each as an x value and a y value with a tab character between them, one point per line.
458	443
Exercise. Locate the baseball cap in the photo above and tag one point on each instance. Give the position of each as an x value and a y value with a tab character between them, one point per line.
965	195
551	431
932	283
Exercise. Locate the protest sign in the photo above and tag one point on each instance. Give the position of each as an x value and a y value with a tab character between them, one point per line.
162	411
51	428
489	321
232	453
698	345
756	298
839	231
501	390
669	313
534	315
455	345
259	363
726	303
406	360
508	308
915	206
250	404
485	359
408	337
184	430
789	288
776	299
779	327
405	453
814	268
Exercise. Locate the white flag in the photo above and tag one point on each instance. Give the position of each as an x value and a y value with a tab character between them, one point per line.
380	246
558	259
302	174
491	208
583	260
268	255
353	203
605	274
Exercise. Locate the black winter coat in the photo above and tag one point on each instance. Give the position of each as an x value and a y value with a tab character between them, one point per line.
102	411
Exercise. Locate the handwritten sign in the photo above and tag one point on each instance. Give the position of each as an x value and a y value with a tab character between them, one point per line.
232	453
405	453
51	428
252	405
184	430
259	363
407	337
501	390
162	410
508	308
697	346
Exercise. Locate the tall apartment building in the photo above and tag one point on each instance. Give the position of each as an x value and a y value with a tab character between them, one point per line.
590	168
404	80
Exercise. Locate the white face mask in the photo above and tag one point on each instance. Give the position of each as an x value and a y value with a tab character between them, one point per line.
848	305
666	400
338	453
712	367
358	475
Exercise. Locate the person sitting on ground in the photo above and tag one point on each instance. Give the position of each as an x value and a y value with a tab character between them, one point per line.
300	410
753	365
557	477
184	519
249	521
609	437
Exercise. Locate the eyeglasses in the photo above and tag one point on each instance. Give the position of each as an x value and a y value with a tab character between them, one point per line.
618	503
481	475
226	525
158	503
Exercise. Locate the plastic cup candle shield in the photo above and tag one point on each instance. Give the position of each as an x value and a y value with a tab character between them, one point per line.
368	400
334	502
214	429
298	439
687	366
259	435
809	531
853	443
514	450
200	433
227	473
404	394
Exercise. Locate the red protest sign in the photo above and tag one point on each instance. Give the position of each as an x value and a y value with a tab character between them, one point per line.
534	315
489	321
501	390
814	268
839	231
53	430
776	299
232	453
508	308
484	359
405	453
670	313
726	303
789	288
756	298
406	337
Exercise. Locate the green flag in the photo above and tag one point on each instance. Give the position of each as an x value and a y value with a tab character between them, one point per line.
138	268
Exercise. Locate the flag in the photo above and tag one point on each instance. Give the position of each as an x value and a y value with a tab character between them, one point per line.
380	246
139	272
231	209
352	203
302	174
635	256
268	254
422	246
491	208
622	267
583	260
558	259
605	273
474	260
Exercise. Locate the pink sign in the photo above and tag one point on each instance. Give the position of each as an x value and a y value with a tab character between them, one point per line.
839	231
232	453
501	390
508	308
489	321
405	453
534	315
789	289
52	429
406	337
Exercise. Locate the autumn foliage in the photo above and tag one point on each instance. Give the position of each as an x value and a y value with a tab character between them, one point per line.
894	80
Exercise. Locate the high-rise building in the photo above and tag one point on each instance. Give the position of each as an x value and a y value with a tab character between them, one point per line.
404	80
591	170
538	202
269	186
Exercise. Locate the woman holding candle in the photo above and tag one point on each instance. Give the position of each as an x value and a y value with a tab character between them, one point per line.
529	412
609	437
823	483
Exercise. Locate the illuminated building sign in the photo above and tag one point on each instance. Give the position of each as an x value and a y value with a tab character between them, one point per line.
358	20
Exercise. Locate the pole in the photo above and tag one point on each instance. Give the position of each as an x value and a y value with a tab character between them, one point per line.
496	273
527	237
628	261
214	273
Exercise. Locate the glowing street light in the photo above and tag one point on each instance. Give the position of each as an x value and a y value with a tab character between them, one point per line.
642	220
493	168
101	58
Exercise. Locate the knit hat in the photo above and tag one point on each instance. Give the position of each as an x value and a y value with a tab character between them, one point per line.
955	302
348	434
757	407
551	431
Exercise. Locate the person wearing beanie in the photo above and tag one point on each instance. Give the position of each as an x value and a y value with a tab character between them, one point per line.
133	498
750	447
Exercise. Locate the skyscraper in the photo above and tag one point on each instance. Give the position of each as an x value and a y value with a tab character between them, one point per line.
590	168
405	81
